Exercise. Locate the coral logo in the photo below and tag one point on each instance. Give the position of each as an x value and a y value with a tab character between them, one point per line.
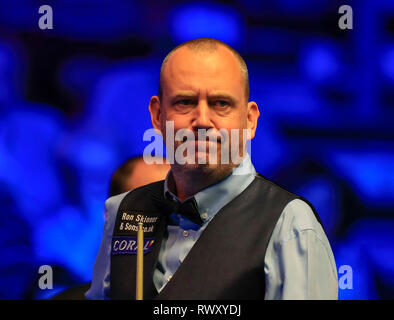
128	245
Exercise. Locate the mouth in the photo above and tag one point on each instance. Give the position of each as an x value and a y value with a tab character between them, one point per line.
216	139
201	145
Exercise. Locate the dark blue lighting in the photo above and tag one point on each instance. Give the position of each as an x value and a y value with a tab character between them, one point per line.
204	19
28	139
71	238
104	20
11	68
387	63
303	7
322	193
369	250
371	173
119	103
320	61
78	75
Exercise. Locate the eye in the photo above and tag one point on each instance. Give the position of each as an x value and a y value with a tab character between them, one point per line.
185	102
221	104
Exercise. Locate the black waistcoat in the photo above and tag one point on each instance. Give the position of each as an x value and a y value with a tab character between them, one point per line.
226	262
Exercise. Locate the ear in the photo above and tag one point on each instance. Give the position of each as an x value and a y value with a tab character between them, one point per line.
253	115
155	112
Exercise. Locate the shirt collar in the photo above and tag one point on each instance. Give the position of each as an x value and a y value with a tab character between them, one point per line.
213	198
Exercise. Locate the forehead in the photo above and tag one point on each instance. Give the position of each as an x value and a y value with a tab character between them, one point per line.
203	70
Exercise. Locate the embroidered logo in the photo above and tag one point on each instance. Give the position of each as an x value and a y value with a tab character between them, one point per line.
128	245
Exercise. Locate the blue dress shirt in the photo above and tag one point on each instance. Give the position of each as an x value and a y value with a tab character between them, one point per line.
299	263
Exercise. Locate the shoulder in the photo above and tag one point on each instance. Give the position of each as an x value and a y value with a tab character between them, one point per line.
111	207
297	219
112	203
297	214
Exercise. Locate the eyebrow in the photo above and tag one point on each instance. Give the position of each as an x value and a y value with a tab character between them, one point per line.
222	95
184	95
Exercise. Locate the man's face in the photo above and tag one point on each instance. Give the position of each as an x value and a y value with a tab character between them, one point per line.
204	90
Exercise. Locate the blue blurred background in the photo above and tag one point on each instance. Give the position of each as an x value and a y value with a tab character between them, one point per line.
73	107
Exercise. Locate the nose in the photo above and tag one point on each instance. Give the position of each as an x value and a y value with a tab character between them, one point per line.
202	118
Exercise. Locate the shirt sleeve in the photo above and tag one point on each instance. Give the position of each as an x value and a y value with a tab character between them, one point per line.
99	289
299	263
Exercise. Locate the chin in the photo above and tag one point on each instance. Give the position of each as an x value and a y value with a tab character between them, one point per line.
208	169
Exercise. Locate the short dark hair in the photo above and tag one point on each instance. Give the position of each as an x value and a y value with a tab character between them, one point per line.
120	176
209	45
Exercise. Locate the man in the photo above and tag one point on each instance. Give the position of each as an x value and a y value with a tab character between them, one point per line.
216	230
